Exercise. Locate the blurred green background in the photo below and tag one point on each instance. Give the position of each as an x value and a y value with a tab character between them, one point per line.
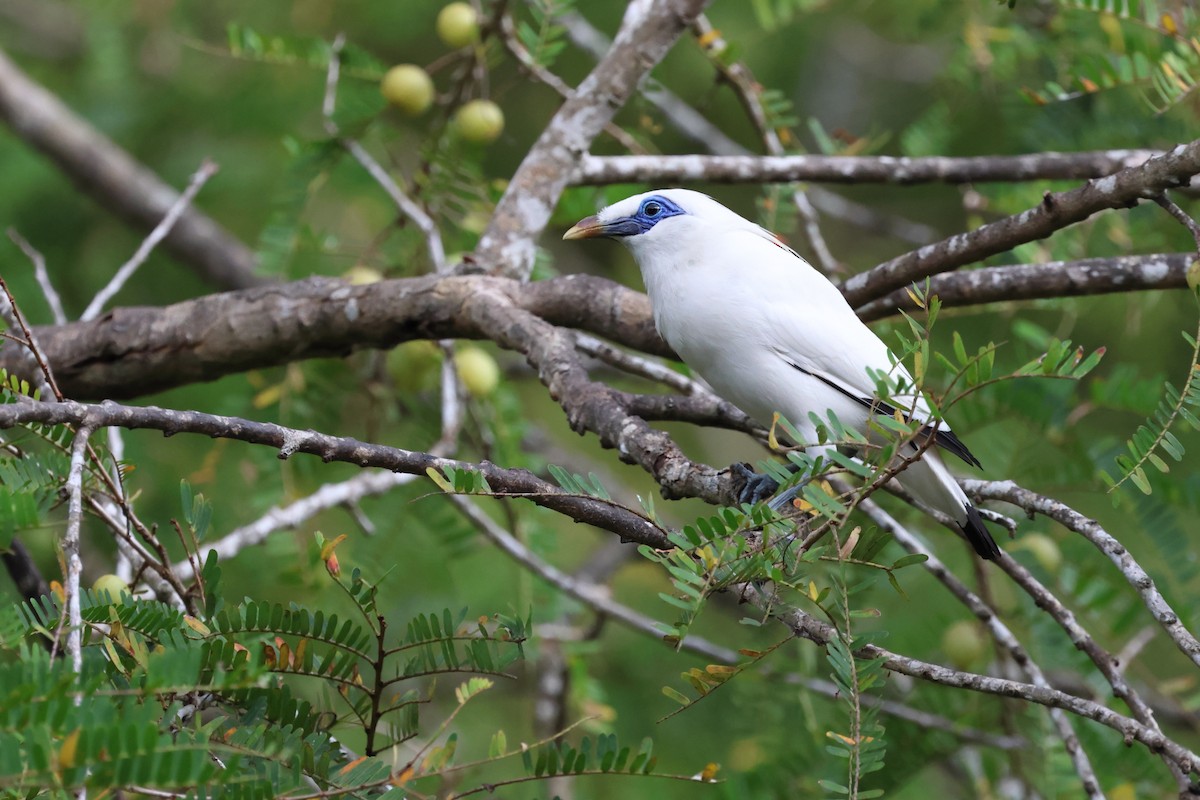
914	78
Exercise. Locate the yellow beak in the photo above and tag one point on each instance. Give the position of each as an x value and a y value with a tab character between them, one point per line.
586	228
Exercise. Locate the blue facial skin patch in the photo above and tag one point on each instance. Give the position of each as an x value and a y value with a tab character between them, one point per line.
653	210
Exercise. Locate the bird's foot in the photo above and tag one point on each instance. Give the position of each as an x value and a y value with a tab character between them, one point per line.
756	486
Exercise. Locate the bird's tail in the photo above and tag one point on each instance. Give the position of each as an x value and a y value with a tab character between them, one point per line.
931	483
978	535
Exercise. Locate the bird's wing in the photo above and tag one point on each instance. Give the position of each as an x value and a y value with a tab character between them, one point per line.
813	329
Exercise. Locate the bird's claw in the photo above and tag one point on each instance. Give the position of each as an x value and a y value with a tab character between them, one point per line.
756	486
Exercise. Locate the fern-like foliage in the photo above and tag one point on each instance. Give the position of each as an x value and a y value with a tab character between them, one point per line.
1154	436
543	35
32	471
244	42
1162	60
454	480
129	720
862	744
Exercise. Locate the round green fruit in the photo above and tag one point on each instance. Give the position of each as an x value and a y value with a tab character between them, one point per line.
964	644
409	88
359	275
478	371
458	25
415	365
1044	549
480	121
111	584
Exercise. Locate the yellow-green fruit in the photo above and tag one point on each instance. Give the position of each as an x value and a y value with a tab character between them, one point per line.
478	371
409	88
964	644
415	365
359	275
457	25
1044	549
1192	276
480	121
111	584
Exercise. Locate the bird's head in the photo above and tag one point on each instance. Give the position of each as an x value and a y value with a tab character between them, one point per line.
640	215
661	221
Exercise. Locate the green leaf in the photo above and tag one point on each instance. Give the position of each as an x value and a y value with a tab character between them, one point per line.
909	560
676	695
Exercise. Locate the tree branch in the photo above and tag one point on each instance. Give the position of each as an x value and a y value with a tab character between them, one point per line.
1052	279
1004	637
810	628
1071	519
599	599
138	350
510	482
604	170
649	29
1056	211
70	546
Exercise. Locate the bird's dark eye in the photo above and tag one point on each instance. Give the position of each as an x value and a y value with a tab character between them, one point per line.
652	209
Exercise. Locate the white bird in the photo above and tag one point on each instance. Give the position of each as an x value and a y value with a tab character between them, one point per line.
771	334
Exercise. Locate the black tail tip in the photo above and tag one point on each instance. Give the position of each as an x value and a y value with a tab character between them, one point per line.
979	537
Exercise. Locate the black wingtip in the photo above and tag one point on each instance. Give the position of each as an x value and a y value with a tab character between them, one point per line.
979	537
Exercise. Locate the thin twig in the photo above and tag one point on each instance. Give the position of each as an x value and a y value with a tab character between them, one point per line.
407	206
70	546
42	276
1000	632
199	178
296	513
150	570
1133	648
642	366
1178	213
749	92
512	43
734	167
451	400
10	309
599	599
1130	569
1053	279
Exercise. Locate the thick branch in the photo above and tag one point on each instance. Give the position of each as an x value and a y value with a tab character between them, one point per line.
138	350
592	406
647	33
676	170
1056	211
116	181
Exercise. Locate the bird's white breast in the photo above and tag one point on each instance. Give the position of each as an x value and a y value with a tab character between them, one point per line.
734	303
